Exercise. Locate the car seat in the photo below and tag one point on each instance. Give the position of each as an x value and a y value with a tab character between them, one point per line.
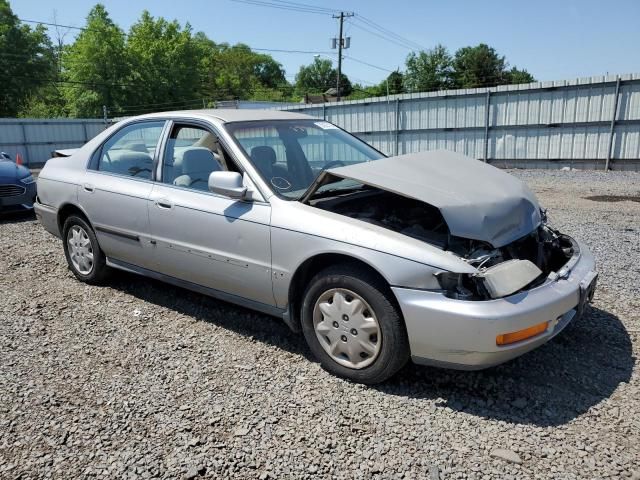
197	164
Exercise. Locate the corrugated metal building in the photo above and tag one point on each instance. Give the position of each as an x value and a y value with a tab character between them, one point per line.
576	123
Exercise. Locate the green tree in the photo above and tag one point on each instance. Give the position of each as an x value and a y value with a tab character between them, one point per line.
319	77
430	70
479	66
27	61
396	83
359	91
96	69
516	75
240	73
165	63
46	102
269	72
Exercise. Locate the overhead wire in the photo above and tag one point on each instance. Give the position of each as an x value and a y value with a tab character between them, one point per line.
383	37
299	4
390	33
264	3
367	63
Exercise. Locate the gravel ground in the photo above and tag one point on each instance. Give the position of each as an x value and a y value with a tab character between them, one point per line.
139	379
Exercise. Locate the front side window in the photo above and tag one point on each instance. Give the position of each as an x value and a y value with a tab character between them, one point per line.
130	152
290	154
191	154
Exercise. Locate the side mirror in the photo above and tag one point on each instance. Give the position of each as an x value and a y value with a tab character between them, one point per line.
228	184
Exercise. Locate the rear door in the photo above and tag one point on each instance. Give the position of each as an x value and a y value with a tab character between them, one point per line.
202	237
116	190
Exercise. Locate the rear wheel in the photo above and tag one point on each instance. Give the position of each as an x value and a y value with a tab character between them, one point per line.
352	325
85	259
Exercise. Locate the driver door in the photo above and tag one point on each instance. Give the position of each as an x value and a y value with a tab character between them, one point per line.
201	237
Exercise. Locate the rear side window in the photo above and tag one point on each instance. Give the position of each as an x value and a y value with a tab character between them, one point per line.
130	152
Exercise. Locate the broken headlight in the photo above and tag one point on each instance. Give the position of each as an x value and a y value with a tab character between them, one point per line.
456	285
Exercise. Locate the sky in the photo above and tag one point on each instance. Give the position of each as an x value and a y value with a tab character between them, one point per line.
553	40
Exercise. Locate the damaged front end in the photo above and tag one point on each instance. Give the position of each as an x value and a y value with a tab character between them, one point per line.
520	265
501	271
483	215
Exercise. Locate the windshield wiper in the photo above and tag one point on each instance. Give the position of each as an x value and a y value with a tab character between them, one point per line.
331	192
320	180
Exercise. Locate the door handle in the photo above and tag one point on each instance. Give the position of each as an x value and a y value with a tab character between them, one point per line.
164	203
88	187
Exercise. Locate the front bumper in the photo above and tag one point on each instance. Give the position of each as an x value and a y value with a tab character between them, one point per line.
48	217
23	201
462	334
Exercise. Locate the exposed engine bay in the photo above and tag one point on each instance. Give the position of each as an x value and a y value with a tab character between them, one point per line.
544	249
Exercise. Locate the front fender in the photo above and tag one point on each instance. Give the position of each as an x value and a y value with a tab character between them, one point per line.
291	249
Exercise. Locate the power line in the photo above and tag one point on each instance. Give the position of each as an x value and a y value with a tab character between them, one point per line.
302	5
282	6
382	32
390	33
78	82
368	64
160	104
290	51
383	37
51	24
278	50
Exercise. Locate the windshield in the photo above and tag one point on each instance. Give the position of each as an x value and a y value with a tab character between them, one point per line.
290	154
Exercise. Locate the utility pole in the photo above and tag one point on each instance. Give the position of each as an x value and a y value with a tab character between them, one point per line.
341	43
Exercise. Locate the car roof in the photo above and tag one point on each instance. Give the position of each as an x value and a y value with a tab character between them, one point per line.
232	115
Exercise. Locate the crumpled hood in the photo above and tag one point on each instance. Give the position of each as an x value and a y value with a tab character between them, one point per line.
477	201
10	172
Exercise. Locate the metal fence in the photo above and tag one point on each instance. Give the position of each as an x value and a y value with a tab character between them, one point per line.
584	123
35	139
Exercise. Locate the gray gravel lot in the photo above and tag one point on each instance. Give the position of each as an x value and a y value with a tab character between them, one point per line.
139	379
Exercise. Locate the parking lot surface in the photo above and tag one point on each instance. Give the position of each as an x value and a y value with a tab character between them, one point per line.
138	379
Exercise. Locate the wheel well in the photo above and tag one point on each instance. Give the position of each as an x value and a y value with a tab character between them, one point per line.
305	273
68	210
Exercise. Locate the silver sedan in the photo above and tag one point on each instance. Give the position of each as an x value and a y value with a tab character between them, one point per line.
430	256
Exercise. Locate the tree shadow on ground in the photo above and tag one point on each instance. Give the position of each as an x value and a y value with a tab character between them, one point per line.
550	386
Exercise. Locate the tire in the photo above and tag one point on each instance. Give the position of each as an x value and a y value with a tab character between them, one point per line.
367	355
84	256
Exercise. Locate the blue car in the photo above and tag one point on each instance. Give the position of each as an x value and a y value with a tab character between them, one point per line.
17	186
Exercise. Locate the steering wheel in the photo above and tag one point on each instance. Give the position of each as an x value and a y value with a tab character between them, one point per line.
333	163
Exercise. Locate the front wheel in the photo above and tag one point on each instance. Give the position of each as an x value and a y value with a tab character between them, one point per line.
84	256
352	325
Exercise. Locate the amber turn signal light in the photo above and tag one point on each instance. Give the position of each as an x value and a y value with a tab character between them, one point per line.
513	337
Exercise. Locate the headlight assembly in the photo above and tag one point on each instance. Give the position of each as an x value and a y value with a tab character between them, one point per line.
460	286
28	180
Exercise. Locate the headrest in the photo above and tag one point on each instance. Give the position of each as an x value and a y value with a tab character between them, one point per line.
207	140
263	157
131	157
136	146
199	159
